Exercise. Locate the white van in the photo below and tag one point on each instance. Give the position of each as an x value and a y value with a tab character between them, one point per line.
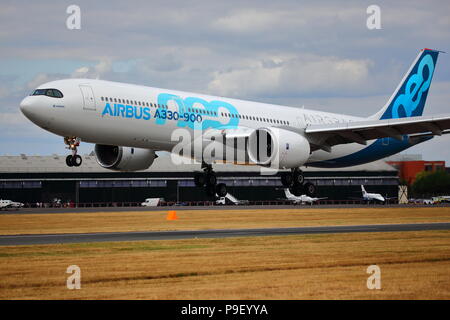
151	202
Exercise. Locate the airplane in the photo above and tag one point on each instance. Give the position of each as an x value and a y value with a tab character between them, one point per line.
128	123
16	205
371	196
302	199
5	204
232	199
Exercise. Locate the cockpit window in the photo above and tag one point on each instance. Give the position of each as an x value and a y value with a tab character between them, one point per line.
54	93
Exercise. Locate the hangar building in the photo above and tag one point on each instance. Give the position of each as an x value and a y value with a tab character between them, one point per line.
32	179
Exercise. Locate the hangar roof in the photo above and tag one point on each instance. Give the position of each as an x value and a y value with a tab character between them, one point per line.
56	163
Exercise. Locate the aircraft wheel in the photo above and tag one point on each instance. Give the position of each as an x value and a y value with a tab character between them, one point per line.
299	178
69	162
296	190
210	190
310	189
211	179
199	179
221	189
77	160
287	180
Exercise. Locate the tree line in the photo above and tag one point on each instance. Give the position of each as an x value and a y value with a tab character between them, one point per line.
431	184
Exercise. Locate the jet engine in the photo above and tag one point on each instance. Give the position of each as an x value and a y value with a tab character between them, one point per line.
277	148
124	158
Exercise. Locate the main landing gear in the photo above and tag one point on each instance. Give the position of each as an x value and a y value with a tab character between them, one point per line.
208	180
295	181
73	160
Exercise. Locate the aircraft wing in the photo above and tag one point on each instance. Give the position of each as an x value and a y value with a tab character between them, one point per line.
324	136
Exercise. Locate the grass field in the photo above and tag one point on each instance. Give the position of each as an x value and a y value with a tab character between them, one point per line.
213	219
414	265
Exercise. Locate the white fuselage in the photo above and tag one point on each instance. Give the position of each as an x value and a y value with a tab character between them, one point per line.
373	196
300	199
111	113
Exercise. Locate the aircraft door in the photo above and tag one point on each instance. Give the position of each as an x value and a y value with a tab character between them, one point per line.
88	97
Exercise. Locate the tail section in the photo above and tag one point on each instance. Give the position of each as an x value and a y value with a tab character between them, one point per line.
408	100
363	190
287	193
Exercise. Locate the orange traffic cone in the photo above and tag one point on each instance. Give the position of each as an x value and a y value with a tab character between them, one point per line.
172	215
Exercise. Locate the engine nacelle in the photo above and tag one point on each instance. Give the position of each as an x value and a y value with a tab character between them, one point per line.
278	148
124	158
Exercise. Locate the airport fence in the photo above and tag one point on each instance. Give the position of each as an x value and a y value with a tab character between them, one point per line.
187	204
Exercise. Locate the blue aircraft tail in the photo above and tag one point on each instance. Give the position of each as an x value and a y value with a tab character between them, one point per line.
408	100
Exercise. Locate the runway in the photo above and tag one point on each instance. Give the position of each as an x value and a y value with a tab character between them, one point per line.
9	240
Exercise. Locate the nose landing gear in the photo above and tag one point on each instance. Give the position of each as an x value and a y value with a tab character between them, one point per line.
73	160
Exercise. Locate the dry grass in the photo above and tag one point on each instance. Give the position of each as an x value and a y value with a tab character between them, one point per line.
414	265
213	219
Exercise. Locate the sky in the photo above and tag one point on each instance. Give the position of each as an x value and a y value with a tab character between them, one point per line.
316	54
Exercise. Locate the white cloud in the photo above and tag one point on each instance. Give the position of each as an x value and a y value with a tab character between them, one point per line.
252	20
291	52
96	72
41	78
293	76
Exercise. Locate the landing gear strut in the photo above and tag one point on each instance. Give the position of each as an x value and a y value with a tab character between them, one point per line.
73	160
295	181
208	180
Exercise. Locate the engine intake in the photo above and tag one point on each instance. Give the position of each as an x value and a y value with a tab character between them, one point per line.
278	148
124	158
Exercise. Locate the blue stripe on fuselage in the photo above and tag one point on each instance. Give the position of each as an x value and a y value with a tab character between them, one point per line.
380	149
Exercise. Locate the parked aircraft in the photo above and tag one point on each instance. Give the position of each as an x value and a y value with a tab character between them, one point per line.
231	199
128	123
366	196
5	204
371	196
302	199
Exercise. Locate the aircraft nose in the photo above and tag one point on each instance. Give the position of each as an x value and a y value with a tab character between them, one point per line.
25	106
